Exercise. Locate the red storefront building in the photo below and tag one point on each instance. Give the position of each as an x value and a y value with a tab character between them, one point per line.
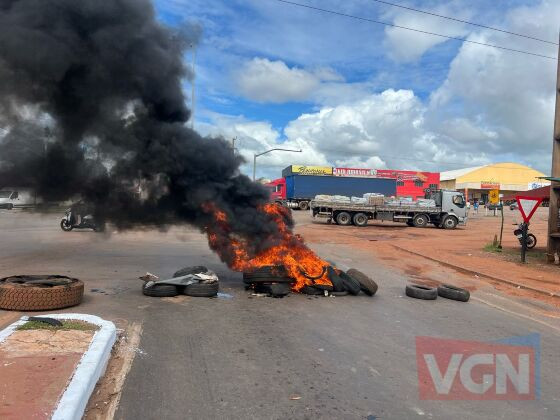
411	184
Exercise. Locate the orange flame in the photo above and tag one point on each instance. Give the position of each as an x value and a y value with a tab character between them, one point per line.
300	262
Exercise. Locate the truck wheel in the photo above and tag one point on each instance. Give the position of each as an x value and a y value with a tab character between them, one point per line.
360	219
10	206
343	218
450	222
304	205
420	220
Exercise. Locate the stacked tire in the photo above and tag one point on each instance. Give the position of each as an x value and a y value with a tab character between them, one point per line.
200	289
271	280
351	282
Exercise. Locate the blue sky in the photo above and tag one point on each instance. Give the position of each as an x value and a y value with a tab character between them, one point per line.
356	93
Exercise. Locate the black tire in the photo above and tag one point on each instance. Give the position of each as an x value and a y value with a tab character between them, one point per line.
351	284
343	219
185	271
454	293
336	280
327	287
339	293
421	292
531	241
421	221
10	206
65	226
202	289
266	271
360	219
259	280
304	205
161	290
368	286
274	290
309	290
450	222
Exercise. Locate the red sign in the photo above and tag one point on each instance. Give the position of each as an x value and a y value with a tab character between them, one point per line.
489	185
357	172
528	206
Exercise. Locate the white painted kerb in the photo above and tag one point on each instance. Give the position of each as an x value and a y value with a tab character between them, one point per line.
90	368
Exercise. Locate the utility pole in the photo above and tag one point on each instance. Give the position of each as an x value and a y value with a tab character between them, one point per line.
233	144
553	250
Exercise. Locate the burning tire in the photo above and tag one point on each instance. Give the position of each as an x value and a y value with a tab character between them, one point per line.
310	290
337	282
421	292
259	280
267	271
454	293
40	293
202	289
161	290
350	283
367	285
274	290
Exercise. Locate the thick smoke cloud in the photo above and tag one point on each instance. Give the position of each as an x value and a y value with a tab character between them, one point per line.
92	103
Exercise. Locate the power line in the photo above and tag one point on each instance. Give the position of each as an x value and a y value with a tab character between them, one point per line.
412	29
465	21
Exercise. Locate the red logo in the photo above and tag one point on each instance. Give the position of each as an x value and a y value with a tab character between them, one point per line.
473	370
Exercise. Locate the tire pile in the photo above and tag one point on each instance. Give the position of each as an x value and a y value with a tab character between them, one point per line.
274	281
199	289
40	292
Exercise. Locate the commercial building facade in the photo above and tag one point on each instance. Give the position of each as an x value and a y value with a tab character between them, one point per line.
507	177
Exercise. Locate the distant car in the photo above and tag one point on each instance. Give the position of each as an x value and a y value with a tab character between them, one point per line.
514	206
494	206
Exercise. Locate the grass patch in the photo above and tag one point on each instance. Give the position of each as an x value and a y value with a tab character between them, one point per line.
67	324
491	247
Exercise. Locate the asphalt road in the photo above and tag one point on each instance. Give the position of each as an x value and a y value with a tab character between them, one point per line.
252	357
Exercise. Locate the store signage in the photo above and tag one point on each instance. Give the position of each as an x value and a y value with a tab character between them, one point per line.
311	170
489	185
356	172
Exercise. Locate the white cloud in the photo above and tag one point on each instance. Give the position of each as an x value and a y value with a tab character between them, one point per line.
405	46
263	80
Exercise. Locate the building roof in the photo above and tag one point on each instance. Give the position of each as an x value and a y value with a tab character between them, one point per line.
449	175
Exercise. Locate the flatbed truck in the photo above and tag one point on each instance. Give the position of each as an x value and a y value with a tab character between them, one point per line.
449	211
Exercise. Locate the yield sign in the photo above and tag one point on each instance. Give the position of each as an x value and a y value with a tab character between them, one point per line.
528	206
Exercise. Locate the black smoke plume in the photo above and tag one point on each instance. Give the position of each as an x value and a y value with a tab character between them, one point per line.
92	106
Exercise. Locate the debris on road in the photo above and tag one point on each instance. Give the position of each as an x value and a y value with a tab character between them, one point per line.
453	292
276	282
197	281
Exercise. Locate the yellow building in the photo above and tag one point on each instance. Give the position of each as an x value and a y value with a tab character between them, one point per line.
507	177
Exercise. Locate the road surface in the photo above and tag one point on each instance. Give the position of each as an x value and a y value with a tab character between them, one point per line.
253	357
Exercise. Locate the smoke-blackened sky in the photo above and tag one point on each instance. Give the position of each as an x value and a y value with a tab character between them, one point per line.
91	100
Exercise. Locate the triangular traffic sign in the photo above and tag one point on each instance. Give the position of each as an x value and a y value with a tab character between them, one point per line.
528	206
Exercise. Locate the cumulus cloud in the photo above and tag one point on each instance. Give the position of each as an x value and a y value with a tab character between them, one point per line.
263	80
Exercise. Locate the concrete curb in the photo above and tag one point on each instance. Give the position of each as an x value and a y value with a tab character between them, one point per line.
90	368
479	274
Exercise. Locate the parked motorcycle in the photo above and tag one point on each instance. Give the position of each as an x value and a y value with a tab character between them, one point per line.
531	239
70	221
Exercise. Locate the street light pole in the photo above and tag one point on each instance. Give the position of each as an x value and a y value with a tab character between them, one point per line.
256	155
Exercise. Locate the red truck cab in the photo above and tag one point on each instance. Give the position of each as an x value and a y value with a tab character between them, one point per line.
277	189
